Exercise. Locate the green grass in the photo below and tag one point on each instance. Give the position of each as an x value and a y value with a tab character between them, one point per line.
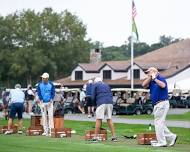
22	143
179	117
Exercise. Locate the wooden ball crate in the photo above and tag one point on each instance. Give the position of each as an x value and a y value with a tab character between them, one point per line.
90	134
145	138
60	132
35	128
3	129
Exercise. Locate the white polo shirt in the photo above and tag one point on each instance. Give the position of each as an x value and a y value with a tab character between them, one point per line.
17	96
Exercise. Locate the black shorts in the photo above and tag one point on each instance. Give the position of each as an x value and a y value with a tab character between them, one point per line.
16	108
89	102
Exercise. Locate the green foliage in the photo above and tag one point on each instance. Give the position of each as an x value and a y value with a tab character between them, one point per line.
124	51
32	43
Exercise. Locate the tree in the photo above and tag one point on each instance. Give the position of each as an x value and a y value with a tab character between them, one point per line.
33	43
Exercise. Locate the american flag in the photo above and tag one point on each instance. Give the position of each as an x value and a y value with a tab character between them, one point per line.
134	11
134	27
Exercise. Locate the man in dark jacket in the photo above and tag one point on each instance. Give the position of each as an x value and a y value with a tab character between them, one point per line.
102	95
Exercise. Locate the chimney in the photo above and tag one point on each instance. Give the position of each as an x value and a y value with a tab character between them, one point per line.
95	55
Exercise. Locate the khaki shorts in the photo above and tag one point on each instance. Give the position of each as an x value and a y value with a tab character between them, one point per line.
104	111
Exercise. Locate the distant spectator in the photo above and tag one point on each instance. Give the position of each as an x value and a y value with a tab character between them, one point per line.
5	98
82	99
29	96
89	102
16	100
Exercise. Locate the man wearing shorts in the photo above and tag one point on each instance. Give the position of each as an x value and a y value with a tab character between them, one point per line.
16	100
102	95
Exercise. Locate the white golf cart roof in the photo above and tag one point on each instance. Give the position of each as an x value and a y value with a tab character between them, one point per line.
130	90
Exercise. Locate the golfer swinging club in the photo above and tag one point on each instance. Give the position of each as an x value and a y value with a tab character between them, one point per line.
159	96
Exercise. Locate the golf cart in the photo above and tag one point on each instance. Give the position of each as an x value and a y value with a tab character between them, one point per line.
180	99
71	100
126	101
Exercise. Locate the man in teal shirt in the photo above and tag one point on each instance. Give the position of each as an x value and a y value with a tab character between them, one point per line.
46	93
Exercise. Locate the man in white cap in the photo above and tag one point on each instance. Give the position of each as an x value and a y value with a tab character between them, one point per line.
159	96
17	106
46	93
102	95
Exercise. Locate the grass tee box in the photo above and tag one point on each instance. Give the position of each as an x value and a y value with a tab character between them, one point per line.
23	143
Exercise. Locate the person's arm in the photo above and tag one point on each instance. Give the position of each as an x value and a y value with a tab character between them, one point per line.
160	83
52	91
93	93
39	92
146	82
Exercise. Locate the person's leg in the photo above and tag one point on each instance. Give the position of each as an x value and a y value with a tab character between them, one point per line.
29	106
99	117
92	108
44	118
108	115
167	133
20	125
89	111
159	121
50	117
12	116
10	123
97	128
79	107
20	109
111	126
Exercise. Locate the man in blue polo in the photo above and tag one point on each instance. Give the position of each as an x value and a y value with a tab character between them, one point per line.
46	93
159	96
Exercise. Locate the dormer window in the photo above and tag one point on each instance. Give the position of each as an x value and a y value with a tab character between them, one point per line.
136	73
78	75
107	74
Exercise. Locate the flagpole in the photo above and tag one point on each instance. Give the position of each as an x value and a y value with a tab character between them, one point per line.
132	54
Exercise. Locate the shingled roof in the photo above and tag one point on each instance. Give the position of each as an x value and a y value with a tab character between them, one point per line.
170	60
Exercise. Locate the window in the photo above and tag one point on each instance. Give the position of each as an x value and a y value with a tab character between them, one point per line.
136	74
107	74
78	75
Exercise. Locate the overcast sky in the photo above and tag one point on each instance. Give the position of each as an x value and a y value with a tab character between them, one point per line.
109	21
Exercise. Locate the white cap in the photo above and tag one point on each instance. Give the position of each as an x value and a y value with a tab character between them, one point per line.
98	79
152	69
90	81
45	75
18	86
